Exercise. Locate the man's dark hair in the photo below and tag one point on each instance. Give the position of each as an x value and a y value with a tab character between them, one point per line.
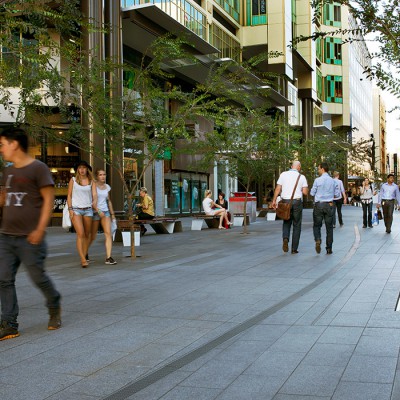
325	166
390	176
17	134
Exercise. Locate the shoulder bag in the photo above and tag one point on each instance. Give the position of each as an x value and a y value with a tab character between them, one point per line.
283	209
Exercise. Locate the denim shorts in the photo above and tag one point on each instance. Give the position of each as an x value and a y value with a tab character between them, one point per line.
84	212
96	216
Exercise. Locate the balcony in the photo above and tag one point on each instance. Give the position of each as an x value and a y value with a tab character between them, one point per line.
182	11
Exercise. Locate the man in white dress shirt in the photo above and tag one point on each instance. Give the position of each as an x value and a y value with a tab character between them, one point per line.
285	185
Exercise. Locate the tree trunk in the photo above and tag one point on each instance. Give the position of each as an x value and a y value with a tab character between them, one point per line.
131	219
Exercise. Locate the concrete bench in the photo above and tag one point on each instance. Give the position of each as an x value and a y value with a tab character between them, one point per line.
159	224
212	221
238	219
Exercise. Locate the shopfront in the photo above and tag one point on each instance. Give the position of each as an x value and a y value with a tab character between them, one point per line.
184	192
61	160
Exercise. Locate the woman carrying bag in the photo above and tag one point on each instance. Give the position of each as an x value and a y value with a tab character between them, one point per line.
366	194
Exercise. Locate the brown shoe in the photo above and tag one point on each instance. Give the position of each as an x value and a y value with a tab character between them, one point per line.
55	319
318	246
285	245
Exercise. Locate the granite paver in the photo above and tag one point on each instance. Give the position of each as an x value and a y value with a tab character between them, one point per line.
205	315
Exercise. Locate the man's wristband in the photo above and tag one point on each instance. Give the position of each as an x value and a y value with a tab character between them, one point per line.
70	208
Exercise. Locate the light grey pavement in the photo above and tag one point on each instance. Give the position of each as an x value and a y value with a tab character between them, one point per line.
215	315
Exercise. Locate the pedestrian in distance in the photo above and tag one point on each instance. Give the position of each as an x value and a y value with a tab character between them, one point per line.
285	186
103	214
388	194
81	200
212	208
27	200
339	199
323	191
145	209
367	193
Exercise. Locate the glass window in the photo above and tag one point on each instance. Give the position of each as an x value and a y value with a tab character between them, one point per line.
256	11
333	89
332	14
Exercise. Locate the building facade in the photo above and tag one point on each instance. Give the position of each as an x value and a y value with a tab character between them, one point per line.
319	85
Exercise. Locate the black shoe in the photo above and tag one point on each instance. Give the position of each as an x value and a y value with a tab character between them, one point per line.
285	245
318	246
341	225
370	226
388	231
364	226
110	261
55	319
328	251
295	251
143	231
8	331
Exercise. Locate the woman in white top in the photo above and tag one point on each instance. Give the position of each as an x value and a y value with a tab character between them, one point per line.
366	194
104	214
212	208
81	199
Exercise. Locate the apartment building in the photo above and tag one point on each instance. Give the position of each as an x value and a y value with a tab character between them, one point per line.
379	134
319	85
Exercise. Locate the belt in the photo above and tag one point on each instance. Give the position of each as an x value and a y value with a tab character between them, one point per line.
323	202
293	199
82	208
387	199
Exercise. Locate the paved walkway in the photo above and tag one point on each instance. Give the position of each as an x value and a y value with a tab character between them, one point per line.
215	315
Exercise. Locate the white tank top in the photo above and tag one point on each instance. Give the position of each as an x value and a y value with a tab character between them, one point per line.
81	195
102	195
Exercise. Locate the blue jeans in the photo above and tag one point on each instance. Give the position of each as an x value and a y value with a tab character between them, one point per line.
296	214
13	251
323	212
367	214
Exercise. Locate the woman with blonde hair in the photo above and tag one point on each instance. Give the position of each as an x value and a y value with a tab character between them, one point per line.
103	214
212	208
81	200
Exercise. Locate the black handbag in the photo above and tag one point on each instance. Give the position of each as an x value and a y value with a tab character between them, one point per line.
380	216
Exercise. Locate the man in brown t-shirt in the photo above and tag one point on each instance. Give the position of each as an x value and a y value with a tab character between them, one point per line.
27	200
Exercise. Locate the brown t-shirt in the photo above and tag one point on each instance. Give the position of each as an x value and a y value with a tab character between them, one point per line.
23	201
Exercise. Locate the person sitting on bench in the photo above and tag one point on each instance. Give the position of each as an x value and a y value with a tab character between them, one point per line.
145	209
211	208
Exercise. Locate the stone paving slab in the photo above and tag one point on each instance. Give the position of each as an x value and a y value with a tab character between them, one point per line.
215	315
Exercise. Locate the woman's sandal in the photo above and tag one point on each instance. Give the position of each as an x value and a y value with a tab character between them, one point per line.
85	264
221	227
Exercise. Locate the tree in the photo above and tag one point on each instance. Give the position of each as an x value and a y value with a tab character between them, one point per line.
248	140
137	128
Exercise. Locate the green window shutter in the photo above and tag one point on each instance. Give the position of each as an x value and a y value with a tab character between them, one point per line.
332	14
256	12
333	89
333	51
